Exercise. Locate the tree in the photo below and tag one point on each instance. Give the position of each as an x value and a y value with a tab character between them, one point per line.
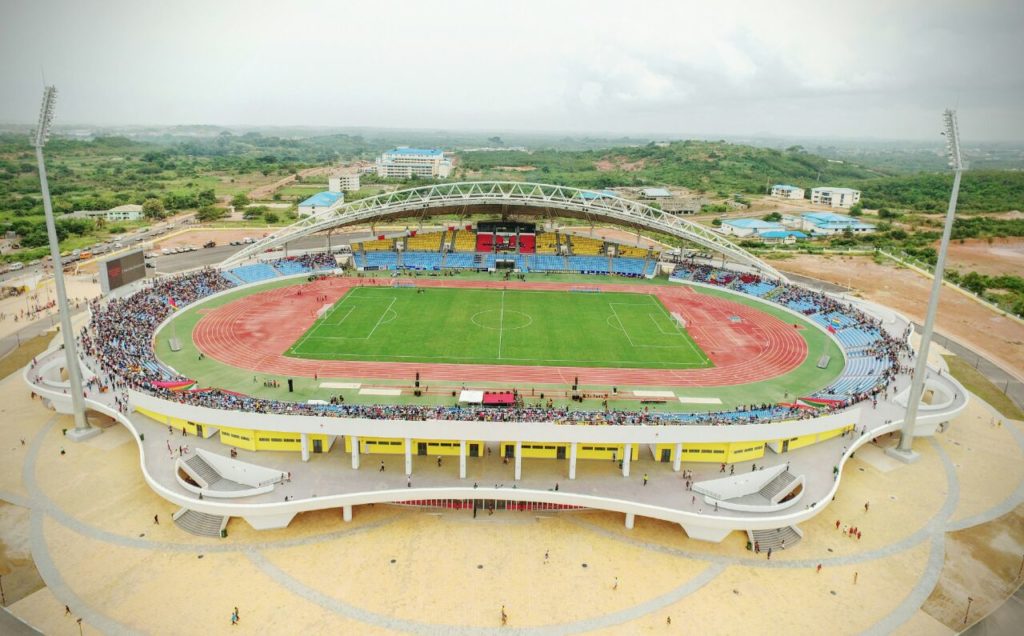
856	209
240	200
153	209
209	213
886	213
270	217
773	217
206	197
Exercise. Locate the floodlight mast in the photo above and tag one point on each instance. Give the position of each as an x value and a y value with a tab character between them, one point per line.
82	428
952	133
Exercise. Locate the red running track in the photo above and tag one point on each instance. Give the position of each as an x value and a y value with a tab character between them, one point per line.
254	332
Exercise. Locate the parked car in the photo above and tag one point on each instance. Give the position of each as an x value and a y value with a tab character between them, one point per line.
210	244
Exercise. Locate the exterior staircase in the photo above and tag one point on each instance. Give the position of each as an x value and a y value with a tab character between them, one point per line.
777	485
775	537
204	470
200	523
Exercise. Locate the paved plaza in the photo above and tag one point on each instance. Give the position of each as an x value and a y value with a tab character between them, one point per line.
86	518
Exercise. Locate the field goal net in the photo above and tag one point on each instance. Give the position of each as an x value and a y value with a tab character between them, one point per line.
679	320
586	290
323	310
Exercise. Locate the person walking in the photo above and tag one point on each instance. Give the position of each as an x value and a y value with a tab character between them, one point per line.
156	520
645	479
546	555
615	585
819	568
867	504
769	554
504	616
381	466
67	610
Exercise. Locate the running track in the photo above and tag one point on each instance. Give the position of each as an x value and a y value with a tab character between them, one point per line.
253	333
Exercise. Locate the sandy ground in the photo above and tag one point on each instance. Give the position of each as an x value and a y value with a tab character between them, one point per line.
267	191
79	289
435	571
1002	256
998	338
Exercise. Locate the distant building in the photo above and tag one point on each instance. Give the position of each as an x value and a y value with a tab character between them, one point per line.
593	195
782	236
835	197
827	223
320	202
655	193
405	162
781	191
346	182
129	212
747	227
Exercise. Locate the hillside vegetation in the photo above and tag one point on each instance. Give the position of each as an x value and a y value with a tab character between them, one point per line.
705	166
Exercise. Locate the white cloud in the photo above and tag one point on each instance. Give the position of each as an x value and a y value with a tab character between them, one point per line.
803	67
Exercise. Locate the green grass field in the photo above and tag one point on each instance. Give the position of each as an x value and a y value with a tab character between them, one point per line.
485	326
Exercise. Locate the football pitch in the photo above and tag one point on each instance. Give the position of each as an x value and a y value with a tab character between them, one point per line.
487	326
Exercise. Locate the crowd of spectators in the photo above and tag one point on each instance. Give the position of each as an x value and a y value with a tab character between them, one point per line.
119	339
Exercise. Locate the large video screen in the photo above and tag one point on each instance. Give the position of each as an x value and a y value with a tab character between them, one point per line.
122	270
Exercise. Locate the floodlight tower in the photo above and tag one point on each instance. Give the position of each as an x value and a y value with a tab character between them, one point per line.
903	450
82	428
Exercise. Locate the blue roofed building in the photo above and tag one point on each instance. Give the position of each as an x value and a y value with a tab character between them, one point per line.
319	202
828	223
748	227
593	195
782	236
405	162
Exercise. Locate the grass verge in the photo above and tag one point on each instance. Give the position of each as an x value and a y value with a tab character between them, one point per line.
975	382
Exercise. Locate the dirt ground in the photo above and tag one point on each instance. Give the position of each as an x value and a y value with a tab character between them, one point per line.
1002	256
996	337
626	166
200	236
267	191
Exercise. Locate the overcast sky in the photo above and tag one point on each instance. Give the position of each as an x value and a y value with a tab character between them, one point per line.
865	68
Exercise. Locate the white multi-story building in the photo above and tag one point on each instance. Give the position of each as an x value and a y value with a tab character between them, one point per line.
345	182
782	191
835	197
129	212
405	162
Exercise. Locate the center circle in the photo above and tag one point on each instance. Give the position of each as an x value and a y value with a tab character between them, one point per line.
501	319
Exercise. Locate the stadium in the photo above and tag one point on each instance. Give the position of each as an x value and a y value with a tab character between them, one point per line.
552	369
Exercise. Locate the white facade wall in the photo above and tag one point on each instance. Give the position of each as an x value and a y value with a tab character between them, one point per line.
403	166
835	197
787	193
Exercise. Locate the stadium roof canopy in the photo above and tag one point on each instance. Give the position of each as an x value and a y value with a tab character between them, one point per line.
322	199
507	199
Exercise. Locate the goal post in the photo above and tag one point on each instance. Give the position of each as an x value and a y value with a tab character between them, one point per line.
679	320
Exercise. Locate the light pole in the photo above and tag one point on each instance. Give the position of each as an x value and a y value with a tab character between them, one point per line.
970	599
904	451
82	429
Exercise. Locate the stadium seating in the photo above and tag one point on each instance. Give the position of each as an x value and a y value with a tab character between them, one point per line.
628	266
548	263
756	289
254	273
585	246
427	242
386	245
424	261
465	241
588	264
381	260
459	260
288	267
631	252
547	243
